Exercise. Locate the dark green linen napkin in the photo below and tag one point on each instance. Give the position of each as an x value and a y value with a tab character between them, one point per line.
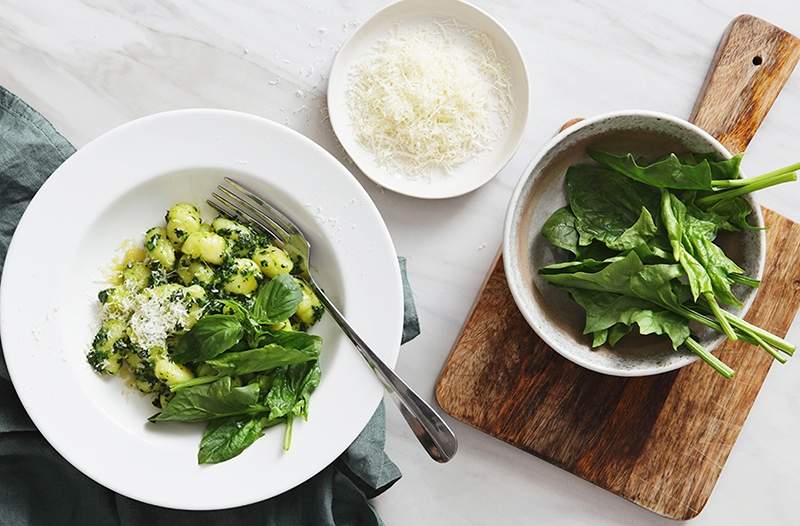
37	486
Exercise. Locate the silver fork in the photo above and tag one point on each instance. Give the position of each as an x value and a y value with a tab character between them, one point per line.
238	202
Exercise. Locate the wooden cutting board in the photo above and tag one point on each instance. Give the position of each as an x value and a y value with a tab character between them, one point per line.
659	441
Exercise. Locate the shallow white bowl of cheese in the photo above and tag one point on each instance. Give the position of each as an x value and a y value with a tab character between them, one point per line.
436	183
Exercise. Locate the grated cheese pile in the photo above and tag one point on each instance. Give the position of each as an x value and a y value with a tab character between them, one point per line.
152	318
156	318
429	96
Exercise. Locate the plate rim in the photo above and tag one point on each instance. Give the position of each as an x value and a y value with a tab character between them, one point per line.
11	255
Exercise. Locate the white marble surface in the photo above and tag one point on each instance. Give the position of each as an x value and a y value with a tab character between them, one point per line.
91	65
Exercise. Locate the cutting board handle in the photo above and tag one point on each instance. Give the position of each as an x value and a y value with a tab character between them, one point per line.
752	63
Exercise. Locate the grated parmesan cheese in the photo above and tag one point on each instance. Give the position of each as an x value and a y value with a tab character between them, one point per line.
429	96
155	318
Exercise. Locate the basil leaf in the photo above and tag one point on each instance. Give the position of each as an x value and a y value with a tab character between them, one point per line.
265	358
210	401
292	388
302	341
277	300
212	335
226	438
669	172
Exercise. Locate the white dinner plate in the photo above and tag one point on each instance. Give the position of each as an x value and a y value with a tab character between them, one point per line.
467	176
114	189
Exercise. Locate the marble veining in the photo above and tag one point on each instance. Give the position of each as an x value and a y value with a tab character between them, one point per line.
93	64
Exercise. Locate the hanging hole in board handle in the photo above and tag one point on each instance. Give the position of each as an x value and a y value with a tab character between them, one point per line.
757	60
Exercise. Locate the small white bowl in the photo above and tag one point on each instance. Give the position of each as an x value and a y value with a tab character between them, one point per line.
467	176
549	310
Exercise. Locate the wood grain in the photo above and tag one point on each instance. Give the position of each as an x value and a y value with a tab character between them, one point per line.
753	62
660	441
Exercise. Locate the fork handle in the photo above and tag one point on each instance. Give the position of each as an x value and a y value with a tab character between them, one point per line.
431	431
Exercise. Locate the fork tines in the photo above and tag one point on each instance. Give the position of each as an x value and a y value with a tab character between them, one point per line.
236	201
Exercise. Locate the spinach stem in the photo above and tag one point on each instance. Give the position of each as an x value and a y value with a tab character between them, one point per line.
744	280
287	438
723	321
769	348
768	337
709	358
708	322
730	183
746	189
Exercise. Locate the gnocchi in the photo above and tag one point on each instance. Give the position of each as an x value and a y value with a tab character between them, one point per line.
273	261
208	246
242	276
183	219
182	271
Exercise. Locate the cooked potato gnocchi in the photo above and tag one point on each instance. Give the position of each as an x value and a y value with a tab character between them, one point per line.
183	270
183	219
310	309
208	246
159	247
242	276
273	261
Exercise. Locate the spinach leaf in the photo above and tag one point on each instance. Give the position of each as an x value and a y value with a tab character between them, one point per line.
673	215
605	311
210	401
212	335
617	332
586	265
277	300
560	230
606	204
262	359
731	214
695	233
637	234
226	438
630	277
718	266
722	168
291	390
669	172
599	338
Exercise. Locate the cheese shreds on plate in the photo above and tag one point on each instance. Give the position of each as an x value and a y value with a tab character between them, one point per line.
429	96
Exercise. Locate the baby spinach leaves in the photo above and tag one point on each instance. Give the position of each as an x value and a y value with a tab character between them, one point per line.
606	204
669	172
641	238
559	229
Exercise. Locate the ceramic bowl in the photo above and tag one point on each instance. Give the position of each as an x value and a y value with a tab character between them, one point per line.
549	310
440	184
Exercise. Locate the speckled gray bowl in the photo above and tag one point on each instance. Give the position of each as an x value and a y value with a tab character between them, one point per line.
549	310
